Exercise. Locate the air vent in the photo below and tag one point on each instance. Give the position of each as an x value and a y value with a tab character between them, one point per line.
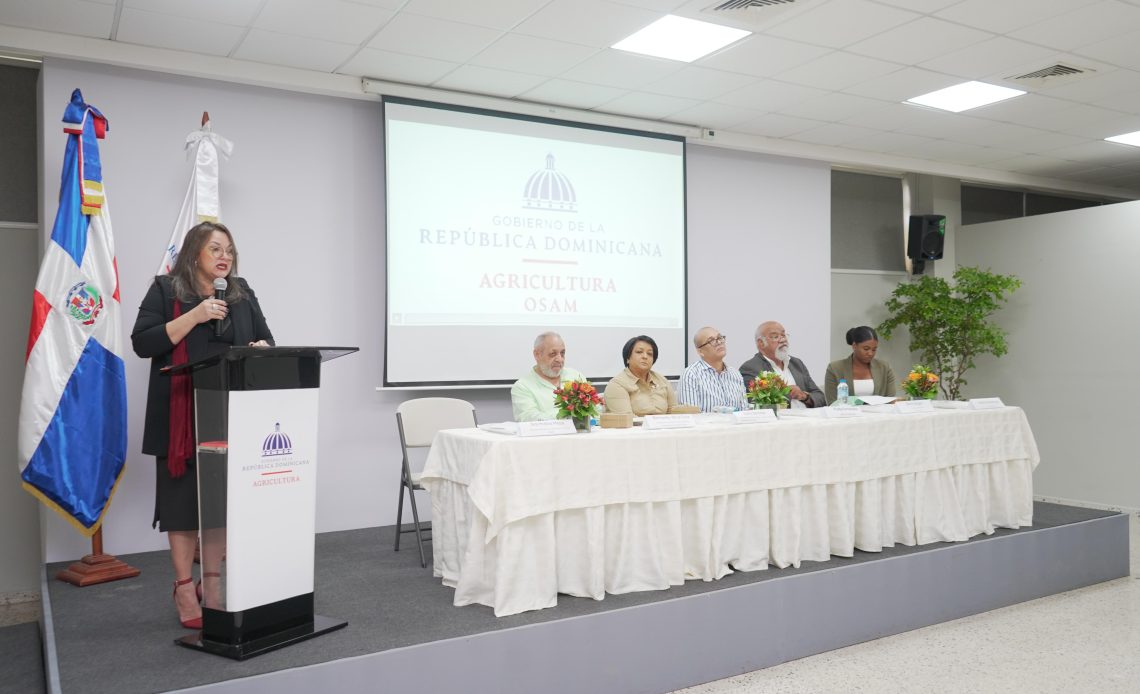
1051	76
746	4
753	13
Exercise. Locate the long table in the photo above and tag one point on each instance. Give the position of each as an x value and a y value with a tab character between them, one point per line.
515	521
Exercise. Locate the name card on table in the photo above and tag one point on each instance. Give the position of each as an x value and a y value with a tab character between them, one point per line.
668	421
841	412
914	406
546	427
754	416
986	403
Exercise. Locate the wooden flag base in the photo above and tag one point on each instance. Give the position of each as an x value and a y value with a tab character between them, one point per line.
96	567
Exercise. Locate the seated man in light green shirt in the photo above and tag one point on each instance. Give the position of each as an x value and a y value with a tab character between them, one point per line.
532	396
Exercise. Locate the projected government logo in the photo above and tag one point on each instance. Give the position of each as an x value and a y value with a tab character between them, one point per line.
548	189
84	303
276	444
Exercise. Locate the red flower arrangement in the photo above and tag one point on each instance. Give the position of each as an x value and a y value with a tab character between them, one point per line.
577	400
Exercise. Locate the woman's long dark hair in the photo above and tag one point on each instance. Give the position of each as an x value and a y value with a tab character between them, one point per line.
185	273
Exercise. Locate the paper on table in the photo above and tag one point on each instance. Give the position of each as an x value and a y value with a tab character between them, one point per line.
508	428
876	399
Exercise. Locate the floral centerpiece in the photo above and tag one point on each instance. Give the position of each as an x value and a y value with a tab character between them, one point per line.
579	401
768	389
921	383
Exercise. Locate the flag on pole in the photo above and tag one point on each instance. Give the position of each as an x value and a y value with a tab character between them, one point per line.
201	203
73	415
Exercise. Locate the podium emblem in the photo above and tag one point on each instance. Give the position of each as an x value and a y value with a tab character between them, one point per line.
277	443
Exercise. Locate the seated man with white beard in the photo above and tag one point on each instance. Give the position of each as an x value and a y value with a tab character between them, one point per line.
772	355
532	396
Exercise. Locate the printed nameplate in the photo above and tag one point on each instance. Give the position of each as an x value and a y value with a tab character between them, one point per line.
842	412
668	421
754	416
546	427
914	406
986	403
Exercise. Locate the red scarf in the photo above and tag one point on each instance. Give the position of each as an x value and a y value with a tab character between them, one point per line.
181	445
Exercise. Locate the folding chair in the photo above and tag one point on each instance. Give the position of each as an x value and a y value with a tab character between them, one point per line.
418	420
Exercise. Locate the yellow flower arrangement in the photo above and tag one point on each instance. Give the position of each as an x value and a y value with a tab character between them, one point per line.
921	382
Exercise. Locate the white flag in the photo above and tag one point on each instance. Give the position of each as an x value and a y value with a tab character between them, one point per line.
201	203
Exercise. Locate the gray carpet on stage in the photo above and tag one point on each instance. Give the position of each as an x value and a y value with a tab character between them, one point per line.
118	637
21	659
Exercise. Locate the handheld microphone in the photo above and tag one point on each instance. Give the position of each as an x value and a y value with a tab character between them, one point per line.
220	285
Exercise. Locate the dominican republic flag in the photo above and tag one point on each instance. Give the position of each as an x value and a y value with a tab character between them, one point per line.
201	203
73	416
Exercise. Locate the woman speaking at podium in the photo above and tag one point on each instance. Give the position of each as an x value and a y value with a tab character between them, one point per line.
182	319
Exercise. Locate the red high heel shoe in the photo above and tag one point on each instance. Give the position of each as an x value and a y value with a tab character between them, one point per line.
194	622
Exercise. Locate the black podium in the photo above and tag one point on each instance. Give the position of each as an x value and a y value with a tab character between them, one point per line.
255	417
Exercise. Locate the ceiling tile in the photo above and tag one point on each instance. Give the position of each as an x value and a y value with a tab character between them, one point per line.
643	105
888	142
236	12
1120	50
903	84
433	38
659	5
1129	102
699	83
1097	123
889	117
774	125
178	33
396	67
710	115
1088	24
495	14
1098	152
1037	165
1007	15
838	70
293	51
77	17
924	6
614	68
1027	109
1025	139
832	107
1095	86
762	56
386	4
769	95
920	40
832	134
998	56
573	94
536	55
485	80
840	24
588	22
327	20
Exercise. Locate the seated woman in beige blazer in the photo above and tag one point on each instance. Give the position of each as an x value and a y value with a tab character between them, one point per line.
861	366
639	390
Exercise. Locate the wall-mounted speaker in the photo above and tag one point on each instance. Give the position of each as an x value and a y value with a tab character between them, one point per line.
927	231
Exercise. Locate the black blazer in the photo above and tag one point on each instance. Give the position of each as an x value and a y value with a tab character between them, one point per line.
150	340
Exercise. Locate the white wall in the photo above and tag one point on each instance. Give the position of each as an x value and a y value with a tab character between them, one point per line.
304	196
759	247
1074	339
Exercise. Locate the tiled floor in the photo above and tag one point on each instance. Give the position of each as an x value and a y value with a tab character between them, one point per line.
1086	640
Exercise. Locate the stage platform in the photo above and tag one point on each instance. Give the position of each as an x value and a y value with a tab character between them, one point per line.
404	634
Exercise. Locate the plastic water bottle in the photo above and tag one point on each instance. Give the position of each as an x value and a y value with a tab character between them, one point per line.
841	392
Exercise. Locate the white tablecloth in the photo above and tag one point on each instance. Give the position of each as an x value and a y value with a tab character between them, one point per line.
518	520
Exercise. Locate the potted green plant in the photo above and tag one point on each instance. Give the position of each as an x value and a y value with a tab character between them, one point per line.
950	324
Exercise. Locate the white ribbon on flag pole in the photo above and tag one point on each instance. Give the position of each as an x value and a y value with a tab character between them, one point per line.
202	202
